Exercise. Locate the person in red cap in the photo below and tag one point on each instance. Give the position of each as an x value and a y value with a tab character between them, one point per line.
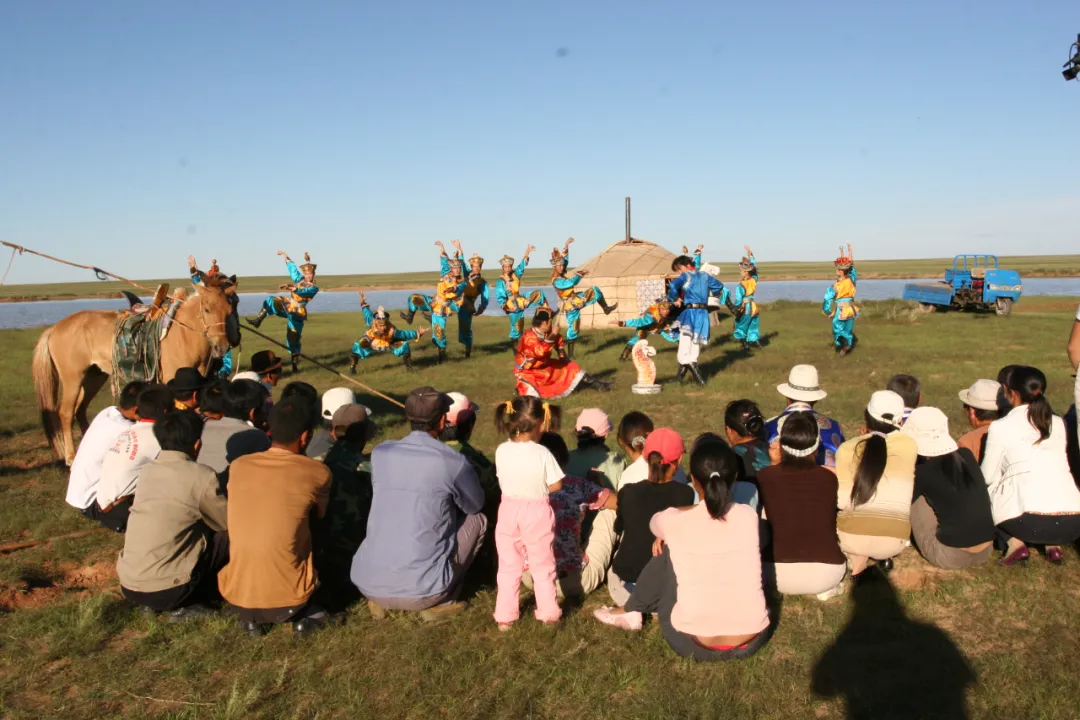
638	502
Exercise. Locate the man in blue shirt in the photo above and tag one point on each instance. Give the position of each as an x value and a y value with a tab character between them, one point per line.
803	391
426	523
690	293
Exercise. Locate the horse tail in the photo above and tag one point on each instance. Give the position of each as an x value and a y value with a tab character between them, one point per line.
47	387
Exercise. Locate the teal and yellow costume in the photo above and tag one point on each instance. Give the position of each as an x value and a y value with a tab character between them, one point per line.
474	301
442	304
573	301
839	304
747	320
651	322
508	294
293	308
381	336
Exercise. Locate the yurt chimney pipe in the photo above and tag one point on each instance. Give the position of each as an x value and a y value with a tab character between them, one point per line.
628	219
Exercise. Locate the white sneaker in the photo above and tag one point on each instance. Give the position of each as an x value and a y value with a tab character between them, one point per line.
837	591
624	620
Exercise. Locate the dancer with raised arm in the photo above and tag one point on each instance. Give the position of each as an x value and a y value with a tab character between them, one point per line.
474	301
381	336
747	322
508	294
572	299
690	292
659	319
445	301
293	308
839	303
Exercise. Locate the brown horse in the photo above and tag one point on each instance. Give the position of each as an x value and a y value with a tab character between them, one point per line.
73	358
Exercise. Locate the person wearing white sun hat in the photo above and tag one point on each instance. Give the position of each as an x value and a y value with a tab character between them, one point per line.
876	476
323	440
803	391
951	519
981	406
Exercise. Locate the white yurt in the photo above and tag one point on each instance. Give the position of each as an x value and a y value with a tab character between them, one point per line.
631	272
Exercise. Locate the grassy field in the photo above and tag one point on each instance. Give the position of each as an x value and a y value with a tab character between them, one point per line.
1003	641
539	274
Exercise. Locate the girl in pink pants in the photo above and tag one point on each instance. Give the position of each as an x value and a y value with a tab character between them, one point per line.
525	529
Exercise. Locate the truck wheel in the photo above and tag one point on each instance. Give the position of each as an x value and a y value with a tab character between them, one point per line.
928	307
1003	306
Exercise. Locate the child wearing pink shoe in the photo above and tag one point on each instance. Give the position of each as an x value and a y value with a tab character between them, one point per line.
525	529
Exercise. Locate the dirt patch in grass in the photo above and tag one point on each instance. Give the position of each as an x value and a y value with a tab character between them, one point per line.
55	582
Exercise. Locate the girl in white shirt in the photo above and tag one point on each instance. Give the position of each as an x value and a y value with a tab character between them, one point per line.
1033	496
525	528
633	429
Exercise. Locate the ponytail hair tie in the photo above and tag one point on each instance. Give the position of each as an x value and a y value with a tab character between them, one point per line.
713	474
637	441
547	416
508	406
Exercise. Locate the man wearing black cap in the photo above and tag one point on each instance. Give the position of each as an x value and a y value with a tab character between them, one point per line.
426	523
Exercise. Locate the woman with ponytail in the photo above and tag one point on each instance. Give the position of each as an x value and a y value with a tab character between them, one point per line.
876	477
704	577
745	426
525	529
1032	493
637	504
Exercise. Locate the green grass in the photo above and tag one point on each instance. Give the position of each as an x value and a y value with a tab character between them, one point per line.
72	648
539	274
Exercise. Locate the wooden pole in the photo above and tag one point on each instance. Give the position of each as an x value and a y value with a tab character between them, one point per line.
20	249
627	219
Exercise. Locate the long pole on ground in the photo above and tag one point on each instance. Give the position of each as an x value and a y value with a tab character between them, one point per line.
318	364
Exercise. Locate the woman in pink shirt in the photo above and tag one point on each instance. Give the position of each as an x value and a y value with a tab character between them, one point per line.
704	580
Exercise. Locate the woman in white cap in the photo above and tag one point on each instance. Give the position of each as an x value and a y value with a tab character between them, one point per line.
950	513
1032	492
876	475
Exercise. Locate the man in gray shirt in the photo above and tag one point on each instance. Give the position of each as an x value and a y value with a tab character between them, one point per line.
232	436
426	524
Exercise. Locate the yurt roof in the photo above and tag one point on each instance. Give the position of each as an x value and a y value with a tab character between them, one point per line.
633	257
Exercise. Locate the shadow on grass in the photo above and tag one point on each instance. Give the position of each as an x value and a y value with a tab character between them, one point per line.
886	665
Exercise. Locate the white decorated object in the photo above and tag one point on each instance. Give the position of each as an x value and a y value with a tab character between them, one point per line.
642	356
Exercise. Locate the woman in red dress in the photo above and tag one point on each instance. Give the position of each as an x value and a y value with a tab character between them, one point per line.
541	366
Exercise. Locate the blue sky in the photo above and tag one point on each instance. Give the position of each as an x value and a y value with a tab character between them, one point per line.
134	133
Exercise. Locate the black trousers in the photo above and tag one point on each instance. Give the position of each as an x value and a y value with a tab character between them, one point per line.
656	591
276	616
1041	529
116	517
202	589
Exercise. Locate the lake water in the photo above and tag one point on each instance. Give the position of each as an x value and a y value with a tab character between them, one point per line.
37	314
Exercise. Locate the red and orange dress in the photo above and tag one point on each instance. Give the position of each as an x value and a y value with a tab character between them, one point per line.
541	368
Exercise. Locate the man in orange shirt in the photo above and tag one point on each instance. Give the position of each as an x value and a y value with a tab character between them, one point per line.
273	495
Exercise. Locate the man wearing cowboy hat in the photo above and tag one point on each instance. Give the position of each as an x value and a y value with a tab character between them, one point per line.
185	386
508	294
302	290
445	301
267	366
574	301
474	300
803	391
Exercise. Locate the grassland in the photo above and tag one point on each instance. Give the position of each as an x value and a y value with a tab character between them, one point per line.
1028	266
1004	640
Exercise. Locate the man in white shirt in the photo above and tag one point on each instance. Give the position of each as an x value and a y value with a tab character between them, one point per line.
95	443
134	448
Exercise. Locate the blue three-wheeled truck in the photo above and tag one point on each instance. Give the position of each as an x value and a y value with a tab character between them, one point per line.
975	282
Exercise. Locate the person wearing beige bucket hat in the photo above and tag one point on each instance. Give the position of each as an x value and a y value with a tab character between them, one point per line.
876	476
981	407
802	391
951	519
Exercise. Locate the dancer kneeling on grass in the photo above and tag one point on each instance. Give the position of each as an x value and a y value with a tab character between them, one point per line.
704	580
525	531
381	336
541	366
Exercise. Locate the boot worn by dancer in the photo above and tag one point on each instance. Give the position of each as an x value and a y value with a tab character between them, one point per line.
695	372
468	351
295	363
407	316
681	376
442	356
626	353
352	365
608	309
407	359
595	383
257	320
570	348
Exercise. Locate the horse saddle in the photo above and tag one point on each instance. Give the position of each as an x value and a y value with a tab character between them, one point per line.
154	309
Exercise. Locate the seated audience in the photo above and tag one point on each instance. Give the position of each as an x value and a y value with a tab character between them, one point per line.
211	399
185	387
950	511
798	497
745	427
584	528
426	525
460	423
803	392
271	577
876	474
745	490
323	440
909	389
176	541
234	434
981	407
96	442
638	502
134	448
1032	493
345	524
267	366
704	578
592	457
633	429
